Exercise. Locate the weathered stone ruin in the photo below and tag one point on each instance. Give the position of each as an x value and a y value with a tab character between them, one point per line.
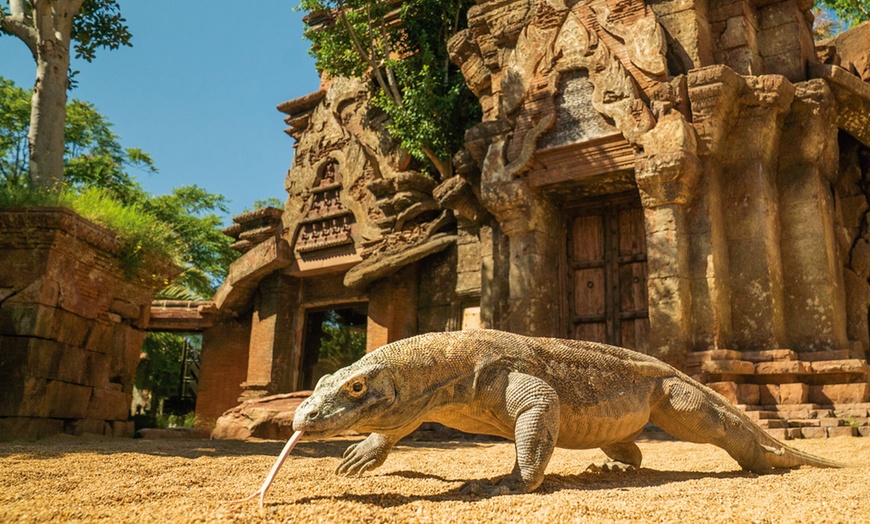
688	179
72	322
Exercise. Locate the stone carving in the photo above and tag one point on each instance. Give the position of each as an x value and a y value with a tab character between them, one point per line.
352	191
327	222
556	41
644	40
253	228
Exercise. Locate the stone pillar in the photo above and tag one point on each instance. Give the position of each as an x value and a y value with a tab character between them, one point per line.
495	272
667	175
714	93
392	308
750	204
533	230
224	368
270	358
815	311
534	262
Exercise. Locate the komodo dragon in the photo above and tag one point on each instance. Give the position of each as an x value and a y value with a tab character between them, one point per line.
540	392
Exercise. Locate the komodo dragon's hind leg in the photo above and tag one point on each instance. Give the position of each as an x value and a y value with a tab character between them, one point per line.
531	406
689	413
625	456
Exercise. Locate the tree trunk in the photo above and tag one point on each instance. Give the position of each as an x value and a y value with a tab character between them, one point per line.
45	26
48	114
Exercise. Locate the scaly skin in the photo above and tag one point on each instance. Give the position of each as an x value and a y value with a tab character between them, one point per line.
541	393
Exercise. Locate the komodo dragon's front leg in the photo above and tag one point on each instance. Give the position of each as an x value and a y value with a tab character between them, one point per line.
367	455
531	407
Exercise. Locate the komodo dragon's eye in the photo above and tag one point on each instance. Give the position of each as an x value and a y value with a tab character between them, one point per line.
356	388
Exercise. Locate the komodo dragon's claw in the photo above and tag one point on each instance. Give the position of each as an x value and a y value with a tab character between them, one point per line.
483	489
611	466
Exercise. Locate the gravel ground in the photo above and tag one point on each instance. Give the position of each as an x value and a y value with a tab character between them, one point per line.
74	479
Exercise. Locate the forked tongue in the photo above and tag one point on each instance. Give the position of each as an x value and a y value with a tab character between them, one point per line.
274	471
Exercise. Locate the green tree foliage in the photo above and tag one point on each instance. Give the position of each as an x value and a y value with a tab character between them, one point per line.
98	184
95	158
851	12
50	29
340	343
404	49
14	123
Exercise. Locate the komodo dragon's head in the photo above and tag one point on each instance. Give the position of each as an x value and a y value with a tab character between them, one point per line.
355	397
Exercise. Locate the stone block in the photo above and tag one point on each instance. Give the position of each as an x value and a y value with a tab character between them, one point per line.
108	404
841	431
789	65
840	393
808	423
736	33
795	393
28	428
770	355
793	367
123	428
98	370
796	413
778	433
726	389
852	412
100	337
813	432
830	422
840	366
90	426
65	400
726	354
13	358
731	367
748	394
768	394
793	433
864	431
814	356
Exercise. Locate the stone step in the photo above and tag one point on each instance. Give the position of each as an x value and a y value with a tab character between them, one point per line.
852	366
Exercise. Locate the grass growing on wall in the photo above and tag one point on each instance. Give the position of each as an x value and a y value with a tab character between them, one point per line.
142	234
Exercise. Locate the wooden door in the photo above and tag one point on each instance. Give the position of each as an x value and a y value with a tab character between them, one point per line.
607	274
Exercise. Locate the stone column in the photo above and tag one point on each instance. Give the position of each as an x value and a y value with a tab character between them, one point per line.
532	226
714	93
750	204
270	358
392	308
224	367
667	175
815	312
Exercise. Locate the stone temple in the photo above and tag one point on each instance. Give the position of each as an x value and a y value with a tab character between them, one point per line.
685	178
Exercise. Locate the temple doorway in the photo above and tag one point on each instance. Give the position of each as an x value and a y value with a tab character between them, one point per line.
334	337
606	262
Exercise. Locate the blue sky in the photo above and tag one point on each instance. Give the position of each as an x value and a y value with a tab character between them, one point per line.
198	91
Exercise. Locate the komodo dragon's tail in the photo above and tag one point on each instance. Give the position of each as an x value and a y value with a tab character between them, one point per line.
691	411
778	455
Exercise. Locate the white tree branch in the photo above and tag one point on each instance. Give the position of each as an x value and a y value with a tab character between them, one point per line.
20	25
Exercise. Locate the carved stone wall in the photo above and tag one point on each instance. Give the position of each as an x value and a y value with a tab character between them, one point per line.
733	151
748	155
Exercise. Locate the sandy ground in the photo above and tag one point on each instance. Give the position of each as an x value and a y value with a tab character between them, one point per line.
73	479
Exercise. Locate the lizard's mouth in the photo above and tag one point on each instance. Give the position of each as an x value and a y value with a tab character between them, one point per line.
316	423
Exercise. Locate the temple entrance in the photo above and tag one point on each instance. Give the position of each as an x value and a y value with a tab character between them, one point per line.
334	337
607	273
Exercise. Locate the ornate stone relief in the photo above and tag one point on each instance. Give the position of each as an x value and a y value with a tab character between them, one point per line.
327	222
556	40
351	192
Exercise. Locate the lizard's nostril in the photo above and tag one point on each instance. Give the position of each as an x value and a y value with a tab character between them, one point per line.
313	415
